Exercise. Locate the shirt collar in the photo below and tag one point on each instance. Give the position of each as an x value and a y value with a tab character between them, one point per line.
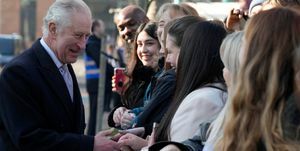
51	53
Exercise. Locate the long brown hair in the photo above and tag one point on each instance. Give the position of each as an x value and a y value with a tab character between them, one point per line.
265	81
138	74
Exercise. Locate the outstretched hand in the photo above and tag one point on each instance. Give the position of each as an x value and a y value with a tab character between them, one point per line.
132	141
103	143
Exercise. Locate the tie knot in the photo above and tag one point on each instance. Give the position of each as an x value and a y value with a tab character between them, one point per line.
63	69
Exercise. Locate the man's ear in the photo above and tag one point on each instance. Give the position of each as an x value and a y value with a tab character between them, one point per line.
52	29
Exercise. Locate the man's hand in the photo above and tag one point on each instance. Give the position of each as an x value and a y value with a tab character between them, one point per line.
103	143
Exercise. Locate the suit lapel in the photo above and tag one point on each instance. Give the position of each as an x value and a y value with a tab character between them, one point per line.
53	77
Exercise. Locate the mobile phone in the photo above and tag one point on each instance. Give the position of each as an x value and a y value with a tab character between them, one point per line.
119	78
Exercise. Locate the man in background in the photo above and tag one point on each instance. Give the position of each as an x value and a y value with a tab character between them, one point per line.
128	21
92	66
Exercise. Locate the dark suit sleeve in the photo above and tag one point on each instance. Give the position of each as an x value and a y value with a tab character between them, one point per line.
23	119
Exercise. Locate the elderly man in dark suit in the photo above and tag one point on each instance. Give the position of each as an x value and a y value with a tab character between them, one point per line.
40	102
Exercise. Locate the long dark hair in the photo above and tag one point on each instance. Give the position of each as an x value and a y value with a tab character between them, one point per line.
139	75
199	63
176	28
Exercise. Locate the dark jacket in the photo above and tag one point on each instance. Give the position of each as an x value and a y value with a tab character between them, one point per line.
36	111
93	47
161	97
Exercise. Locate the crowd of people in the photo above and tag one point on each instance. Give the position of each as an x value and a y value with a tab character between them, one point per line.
190	83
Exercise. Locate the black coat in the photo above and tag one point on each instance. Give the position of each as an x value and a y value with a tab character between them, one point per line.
36	111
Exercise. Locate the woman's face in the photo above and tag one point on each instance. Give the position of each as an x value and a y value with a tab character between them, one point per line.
173	51
163	20
147	50
166	17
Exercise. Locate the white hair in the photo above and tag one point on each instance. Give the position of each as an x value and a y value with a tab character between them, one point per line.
60	12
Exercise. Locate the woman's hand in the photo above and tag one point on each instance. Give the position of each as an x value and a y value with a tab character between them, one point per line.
113	84
127	119
132	141
233	19
170	148
118	114
118	86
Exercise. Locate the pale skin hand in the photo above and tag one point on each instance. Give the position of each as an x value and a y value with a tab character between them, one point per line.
132	141
138	131
118	114
170	148
113	84
127	119
102	143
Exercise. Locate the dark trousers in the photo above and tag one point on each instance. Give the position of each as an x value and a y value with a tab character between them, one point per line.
92	89
93	111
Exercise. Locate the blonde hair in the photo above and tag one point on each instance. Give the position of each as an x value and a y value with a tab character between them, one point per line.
229	51
264	83
176	10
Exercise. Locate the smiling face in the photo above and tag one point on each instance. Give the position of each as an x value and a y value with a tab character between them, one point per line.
147	50
166	17
127	27
69	42
173	51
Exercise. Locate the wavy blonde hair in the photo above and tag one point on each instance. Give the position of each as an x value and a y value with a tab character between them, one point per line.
229	52
265	81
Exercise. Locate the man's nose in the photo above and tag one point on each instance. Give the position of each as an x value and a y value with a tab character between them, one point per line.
127	30
81	43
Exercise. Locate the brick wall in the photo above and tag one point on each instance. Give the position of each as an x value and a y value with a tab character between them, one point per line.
42	7
9	16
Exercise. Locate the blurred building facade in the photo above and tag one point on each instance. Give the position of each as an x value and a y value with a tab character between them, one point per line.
24	17
9	22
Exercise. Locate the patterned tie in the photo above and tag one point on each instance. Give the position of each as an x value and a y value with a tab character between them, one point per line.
68	79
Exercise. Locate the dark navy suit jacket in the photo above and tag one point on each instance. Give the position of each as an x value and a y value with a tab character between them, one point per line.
36	111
